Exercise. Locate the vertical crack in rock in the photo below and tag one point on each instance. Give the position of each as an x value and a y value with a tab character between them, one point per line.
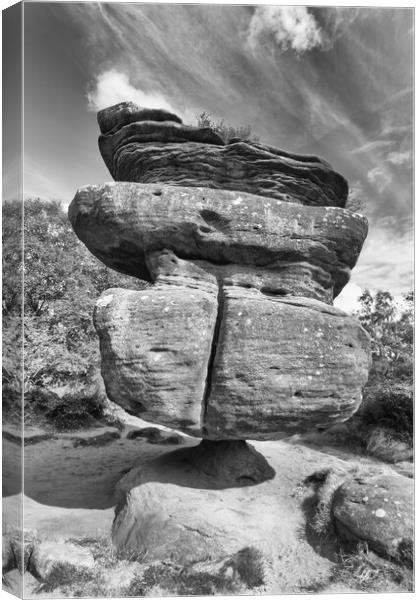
212	357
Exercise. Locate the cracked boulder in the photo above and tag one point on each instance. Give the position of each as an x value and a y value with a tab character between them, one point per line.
283	366
150	146
237	364
378	511
242	238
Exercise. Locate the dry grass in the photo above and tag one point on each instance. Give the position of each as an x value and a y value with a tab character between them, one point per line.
242	571
361	569
367	572
324	484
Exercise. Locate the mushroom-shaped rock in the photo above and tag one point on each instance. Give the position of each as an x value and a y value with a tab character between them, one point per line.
246	246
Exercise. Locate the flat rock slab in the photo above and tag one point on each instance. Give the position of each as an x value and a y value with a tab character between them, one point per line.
379	511
149	146
122	223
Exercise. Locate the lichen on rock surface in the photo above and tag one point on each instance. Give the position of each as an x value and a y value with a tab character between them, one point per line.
378	511
311	249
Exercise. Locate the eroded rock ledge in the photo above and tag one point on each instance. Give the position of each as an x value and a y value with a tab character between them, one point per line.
150	145
249	239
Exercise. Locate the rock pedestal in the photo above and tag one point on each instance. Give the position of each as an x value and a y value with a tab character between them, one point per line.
246	247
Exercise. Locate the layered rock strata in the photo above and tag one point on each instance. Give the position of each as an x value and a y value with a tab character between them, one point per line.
237	338
152	146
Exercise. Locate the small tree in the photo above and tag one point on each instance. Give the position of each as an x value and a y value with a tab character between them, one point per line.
388	395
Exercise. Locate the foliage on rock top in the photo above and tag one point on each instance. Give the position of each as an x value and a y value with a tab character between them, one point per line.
227	132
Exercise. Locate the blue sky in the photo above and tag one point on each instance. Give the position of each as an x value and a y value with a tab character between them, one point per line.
337	82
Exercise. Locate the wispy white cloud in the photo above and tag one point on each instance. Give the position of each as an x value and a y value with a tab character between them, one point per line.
379	178
112	86
400	158
291	27
373	146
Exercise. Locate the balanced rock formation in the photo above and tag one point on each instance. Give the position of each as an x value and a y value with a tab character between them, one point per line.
246	247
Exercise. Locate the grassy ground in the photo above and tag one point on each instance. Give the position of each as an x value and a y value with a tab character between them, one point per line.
125	576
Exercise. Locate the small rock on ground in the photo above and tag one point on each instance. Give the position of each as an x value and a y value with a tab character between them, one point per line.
49	555
379	511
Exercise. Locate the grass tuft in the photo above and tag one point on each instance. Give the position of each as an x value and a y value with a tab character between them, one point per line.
365	571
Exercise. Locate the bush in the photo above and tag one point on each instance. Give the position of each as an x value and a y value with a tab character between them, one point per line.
62	282
226	132
71	411
390	407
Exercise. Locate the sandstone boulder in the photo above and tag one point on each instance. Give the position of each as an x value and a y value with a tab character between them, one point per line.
237	364
379	511
113	118
170	510
309	250
155	347
283	366
165	151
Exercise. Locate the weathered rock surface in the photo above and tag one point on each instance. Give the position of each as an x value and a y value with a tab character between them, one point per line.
224	463
178	513
173	508
240	365
155	347
49	555
247	246
283	365
141	148
379	511
115	117
255	240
